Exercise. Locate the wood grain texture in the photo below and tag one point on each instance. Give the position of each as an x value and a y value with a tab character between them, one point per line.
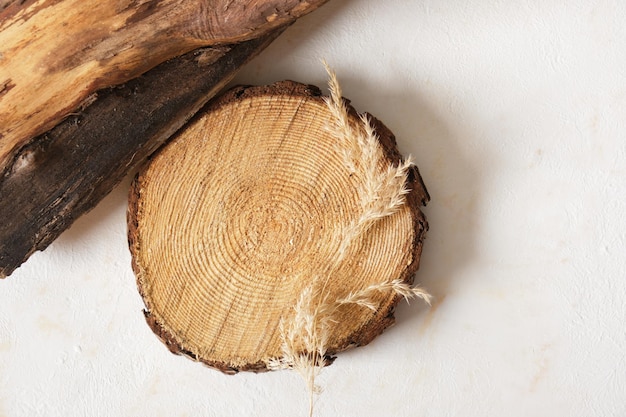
64	173
55	53
236	215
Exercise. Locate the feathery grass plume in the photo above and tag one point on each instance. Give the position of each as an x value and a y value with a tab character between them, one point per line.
365	296
304	341
382	193
340	126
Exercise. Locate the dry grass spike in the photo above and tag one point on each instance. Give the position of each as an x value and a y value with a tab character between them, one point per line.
382	194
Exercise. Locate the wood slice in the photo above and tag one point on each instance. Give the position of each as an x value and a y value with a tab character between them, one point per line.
232	219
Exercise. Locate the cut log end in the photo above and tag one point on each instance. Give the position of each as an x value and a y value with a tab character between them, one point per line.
244	209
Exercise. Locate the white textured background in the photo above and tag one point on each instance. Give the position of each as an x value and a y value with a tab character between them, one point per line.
515	112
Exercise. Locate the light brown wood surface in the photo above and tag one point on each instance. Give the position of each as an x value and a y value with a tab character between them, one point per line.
241	210
55	53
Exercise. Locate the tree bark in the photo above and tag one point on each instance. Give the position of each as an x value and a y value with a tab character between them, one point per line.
55	53
65	172
247	206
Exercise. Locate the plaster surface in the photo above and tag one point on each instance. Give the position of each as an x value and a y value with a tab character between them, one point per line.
516	115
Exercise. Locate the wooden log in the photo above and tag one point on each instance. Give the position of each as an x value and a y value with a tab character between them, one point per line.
252	203
55	53
65	172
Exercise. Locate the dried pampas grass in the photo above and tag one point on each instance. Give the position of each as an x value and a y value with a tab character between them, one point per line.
383	192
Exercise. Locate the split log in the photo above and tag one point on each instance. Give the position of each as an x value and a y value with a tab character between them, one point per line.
65	172
245	208
55	54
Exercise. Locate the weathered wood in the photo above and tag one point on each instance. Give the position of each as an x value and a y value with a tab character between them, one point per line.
62	174
251	203
55	53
